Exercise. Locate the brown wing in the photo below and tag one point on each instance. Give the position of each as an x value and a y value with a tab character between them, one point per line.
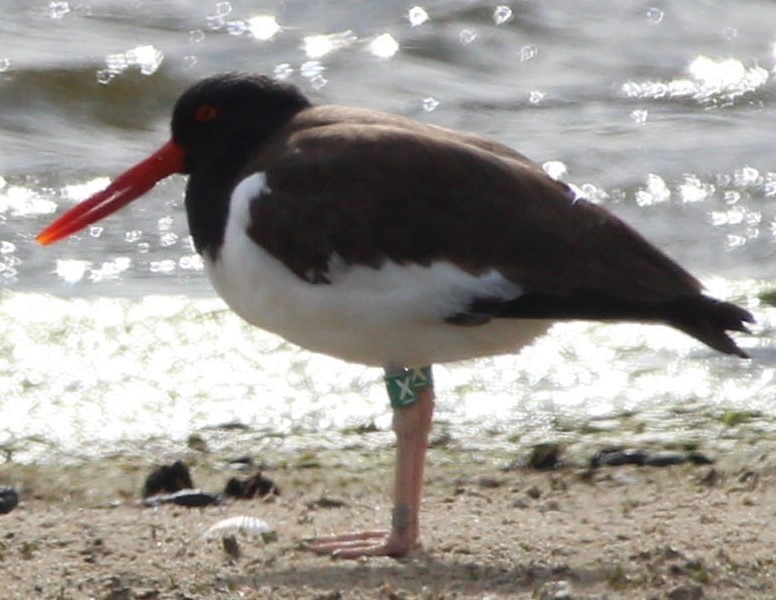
371	187
387	191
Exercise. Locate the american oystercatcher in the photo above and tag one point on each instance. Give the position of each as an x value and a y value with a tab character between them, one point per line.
389	242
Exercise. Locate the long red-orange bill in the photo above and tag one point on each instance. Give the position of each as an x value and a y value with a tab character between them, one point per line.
126	187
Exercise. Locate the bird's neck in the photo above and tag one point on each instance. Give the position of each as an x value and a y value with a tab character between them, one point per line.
211	183
207	210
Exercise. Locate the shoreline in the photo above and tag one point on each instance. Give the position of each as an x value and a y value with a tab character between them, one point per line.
684	531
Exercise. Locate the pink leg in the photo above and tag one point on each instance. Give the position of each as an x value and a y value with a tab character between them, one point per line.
411	425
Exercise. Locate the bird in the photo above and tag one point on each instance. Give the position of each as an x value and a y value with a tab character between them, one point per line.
389	242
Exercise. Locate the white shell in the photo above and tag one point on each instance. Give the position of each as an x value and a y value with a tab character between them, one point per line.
239	524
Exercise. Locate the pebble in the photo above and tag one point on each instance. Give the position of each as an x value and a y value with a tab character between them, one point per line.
615	457
545	457
9	499
697	458
486	481
748	481
556	590
241	462
687	591
231	546
187	498
520	503
665	458
327	502
168	478
256	485
196	442
711	478
533	492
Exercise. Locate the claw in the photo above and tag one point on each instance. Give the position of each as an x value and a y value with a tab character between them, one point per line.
360	543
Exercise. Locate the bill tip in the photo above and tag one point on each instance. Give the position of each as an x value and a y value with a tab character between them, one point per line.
44	238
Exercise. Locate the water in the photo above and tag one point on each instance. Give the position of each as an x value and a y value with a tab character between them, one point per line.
661	111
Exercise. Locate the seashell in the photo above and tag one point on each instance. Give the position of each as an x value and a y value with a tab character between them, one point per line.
241	524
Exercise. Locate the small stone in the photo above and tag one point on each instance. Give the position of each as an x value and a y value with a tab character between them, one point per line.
615	457
686	591
258	485
711	478
231	547
486	481
520	503
9	499
556	590
698	458
533	492
587	475
188	498
748	480
168	478
241	462
665	458
558	484
333	595
545	457
327	502
673	553
123	593
196	442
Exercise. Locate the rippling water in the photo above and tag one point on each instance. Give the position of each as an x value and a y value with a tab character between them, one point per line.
661	111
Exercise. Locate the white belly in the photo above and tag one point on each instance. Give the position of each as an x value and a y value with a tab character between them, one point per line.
391	316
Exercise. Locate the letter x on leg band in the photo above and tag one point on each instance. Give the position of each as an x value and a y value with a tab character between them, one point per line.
403	383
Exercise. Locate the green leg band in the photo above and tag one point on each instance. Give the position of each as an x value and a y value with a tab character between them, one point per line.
403	383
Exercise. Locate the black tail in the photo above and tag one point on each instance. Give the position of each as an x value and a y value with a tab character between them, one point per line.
708	319
704	318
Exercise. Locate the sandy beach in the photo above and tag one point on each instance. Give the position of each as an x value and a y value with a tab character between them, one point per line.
114	349
681	532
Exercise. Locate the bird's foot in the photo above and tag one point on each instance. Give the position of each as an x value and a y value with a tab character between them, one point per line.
361	543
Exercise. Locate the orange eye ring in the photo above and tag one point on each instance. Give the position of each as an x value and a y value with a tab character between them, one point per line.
205	113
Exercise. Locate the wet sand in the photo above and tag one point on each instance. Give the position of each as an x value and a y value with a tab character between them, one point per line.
680	532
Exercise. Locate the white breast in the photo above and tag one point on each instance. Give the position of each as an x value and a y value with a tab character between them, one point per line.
391	316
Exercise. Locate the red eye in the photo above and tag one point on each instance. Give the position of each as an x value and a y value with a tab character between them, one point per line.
205	113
